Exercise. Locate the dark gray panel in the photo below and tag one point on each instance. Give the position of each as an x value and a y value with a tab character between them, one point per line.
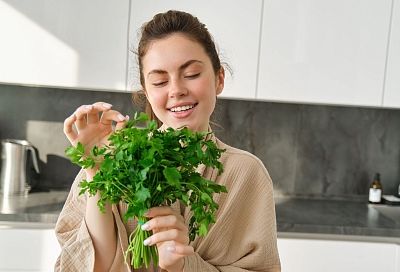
308	149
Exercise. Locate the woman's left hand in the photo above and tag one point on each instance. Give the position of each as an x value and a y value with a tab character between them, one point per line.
171	236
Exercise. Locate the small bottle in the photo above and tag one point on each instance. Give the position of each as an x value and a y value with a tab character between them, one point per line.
375	190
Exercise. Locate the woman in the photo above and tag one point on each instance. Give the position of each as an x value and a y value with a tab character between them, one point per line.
181	75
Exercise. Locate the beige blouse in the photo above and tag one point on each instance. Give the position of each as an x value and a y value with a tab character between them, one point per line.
242	239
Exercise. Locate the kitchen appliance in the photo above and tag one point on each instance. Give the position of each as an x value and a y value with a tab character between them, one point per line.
15	173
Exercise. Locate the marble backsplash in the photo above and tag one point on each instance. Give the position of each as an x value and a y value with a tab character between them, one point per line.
311	150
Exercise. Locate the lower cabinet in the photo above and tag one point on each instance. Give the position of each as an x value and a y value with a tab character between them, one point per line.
30	250
37	250
310	255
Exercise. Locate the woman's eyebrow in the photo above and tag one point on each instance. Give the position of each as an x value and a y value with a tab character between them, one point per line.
156	71
188	63
182	67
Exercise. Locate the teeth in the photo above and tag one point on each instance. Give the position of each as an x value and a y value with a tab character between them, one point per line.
183	108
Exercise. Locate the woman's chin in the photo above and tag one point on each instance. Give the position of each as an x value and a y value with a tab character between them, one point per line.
177	124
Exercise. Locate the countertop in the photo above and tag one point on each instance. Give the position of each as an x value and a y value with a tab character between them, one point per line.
36	210
348	219
296	217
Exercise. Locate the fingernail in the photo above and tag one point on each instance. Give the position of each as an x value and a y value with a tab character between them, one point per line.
121	117
127	117
106	105
145	226
146	242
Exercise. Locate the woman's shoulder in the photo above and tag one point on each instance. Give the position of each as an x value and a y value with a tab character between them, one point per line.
243	172
236	154
241	160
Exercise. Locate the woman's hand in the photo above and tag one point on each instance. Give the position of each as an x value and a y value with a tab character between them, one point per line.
87	126
91	125
171	236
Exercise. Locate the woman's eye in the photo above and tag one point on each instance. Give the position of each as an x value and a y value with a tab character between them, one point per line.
192	76
159	84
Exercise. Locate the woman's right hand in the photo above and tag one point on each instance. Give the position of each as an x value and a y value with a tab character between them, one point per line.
87	127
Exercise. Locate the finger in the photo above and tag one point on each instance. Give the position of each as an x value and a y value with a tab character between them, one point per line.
109	116
69	130
93	114
80	114
168	235
160	211
181	249
102	105
121	125
166	222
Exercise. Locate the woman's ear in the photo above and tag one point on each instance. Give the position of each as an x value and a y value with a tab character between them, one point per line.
220	80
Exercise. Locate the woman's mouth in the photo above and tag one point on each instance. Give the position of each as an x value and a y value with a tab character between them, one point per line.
182	111
183	108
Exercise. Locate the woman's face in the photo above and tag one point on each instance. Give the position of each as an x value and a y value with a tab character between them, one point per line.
180	82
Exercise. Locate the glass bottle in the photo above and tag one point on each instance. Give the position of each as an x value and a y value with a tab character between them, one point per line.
375	190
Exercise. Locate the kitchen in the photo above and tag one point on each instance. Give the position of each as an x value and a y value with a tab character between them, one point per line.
314	94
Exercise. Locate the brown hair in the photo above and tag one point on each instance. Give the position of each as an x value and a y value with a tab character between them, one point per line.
165	24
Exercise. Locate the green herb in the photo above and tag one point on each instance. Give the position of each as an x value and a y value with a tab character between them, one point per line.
146	167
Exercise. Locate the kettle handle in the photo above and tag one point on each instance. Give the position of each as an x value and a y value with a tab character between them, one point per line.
34	158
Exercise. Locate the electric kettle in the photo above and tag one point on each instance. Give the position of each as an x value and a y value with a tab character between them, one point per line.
14	156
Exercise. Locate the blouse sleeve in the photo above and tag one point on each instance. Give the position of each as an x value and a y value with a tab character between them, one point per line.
244	235
77	251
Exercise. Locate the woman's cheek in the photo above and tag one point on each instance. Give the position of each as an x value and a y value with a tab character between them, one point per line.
155	97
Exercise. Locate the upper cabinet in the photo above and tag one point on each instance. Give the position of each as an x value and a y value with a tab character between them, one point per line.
392	84
330	52
66	43
342	52
235	27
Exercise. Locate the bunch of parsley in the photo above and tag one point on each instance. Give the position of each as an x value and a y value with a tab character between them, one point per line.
146	167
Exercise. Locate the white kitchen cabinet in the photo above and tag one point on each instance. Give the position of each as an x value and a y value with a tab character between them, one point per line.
66	43
309	255
392	83
329	52
28	250
235	27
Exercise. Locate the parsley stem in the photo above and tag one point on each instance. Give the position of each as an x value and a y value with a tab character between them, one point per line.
121	184
191	184
124	192
141	254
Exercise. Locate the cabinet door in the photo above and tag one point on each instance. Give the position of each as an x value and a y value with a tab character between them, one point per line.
304	255
28	249
392	84
235	27
67	43
330	52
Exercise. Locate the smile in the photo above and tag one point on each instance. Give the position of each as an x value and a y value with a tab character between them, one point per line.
183	108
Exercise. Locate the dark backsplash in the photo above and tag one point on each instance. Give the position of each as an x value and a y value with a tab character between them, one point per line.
309	150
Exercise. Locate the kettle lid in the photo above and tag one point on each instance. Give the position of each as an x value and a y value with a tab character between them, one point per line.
15	141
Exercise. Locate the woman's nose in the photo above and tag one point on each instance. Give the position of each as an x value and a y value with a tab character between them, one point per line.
177	89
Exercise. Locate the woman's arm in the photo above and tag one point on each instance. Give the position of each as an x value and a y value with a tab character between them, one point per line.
243	237
77	246
101	228
88	127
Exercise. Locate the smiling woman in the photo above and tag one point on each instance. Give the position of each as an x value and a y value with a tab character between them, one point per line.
181	76
184	88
